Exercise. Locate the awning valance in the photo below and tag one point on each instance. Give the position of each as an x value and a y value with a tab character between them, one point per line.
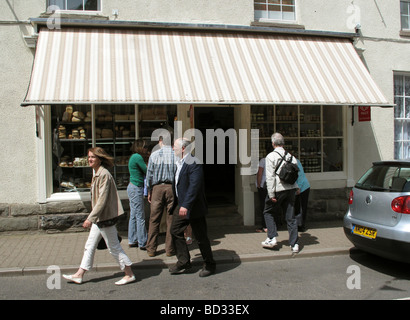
97	66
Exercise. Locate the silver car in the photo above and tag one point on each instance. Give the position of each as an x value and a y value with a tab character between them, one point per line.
378	218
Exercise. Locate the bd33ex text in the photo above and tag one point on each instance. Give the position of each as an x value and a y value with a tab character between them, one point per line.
208	309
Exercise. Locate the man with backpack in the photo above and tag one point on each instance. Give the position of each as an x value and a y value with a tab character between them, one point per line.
281	175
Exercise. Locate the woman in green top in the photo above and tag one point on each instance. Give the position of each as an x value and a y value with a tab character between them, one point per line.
137	231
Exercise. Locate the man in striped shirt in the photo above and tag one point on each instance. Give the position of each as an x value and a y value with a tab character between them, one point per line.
160	175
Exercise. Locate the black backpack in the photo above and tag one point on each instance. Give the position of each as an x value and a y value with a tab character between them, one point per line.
289	172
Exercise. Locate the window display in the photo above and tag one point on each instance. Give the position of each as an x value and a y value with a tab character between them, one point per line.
287	124
71	139
310	142
76	128
313	134
262	119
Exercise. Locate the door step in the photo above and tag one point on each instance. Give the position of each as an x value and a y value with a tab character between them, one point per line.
224	215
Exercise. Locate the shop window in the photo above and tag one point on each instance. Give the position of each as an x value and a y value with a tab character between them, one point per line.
314	134
76	128
405	15
76	5
402	116
282	10
72	135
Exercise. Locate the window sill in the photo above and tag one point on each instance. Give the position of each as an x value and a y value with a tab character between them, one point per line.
79	196
405	33
277	24
73	14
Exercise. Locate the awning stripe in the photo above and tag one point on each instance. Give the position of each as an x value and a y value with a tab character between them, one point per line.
166	66
323	90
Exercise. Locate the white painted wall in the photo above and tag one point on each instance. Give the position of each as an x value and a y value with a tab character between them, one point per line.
18	169
183	11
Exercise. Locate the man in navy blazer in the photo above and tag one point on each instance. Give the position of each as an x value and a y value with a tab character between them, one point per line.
191	207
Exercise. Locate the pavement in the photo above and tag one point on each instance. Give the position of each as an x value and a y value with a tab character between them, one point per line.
25	253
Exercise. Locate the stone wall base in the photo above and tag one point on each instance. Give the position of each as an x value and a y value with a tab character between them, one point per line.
328	204
52	216
324	204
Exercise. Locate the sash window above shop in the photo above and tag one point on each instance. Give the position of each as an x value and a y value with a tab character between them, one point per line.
402	116
280	10
76	5
405	14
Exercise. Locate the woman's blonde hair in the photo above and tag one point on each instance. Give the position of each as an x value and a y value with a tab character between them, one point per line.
106	160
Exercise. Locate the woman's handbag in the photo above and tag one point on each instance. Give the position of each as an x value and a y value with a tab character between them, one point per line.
102	245
103	224
107	223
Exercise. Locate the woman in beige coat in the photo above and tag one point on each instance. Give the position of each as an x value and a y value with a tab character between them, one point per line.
106	208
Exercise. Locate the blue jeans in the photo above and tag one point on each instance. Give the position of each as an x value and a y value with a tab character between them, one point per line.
137	231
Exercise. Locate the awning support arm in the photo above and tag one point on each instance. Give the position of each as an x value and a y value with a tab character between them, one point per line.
352	115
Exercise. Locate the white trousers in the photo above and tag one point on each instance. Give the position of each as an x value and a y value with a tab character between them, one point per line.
110	236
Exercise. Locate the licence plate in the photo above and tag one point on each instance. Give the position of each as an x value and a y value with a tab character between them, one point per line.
364	231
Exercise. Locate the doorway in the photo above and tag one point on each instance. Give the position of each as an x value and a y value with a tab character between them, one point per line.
219	178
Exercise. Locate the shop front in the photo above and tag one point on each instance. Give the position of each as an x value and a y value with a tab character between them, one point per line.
106	87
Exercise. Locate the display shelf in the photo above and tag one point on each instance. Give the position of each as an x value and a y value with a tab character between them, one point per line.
313	134
152	117
110	127
113	127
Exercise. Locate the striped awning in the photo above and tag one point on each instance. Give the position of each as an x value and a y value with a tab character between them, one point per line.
96	66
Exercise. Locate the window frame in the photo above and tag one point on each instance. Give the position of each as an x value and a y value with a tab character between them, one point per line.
92	140
98	11
282	20
45	123
401	143
275	123
407	28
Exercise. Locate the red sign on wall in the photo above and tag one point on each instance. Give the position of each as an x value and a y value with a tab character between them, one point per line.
364	114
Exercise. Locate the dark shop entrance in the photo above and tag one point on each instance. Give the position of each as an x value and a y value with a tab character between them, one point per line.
219	178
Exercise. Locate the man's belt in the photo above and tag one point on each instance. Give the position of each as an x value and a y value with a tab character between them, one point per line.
160	183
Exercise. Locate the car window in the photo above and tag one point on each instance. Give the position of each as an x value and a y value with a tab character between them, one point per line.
386	178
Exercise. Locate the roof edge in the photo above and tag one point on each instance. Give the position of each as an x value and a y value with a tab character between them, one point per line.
69	22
